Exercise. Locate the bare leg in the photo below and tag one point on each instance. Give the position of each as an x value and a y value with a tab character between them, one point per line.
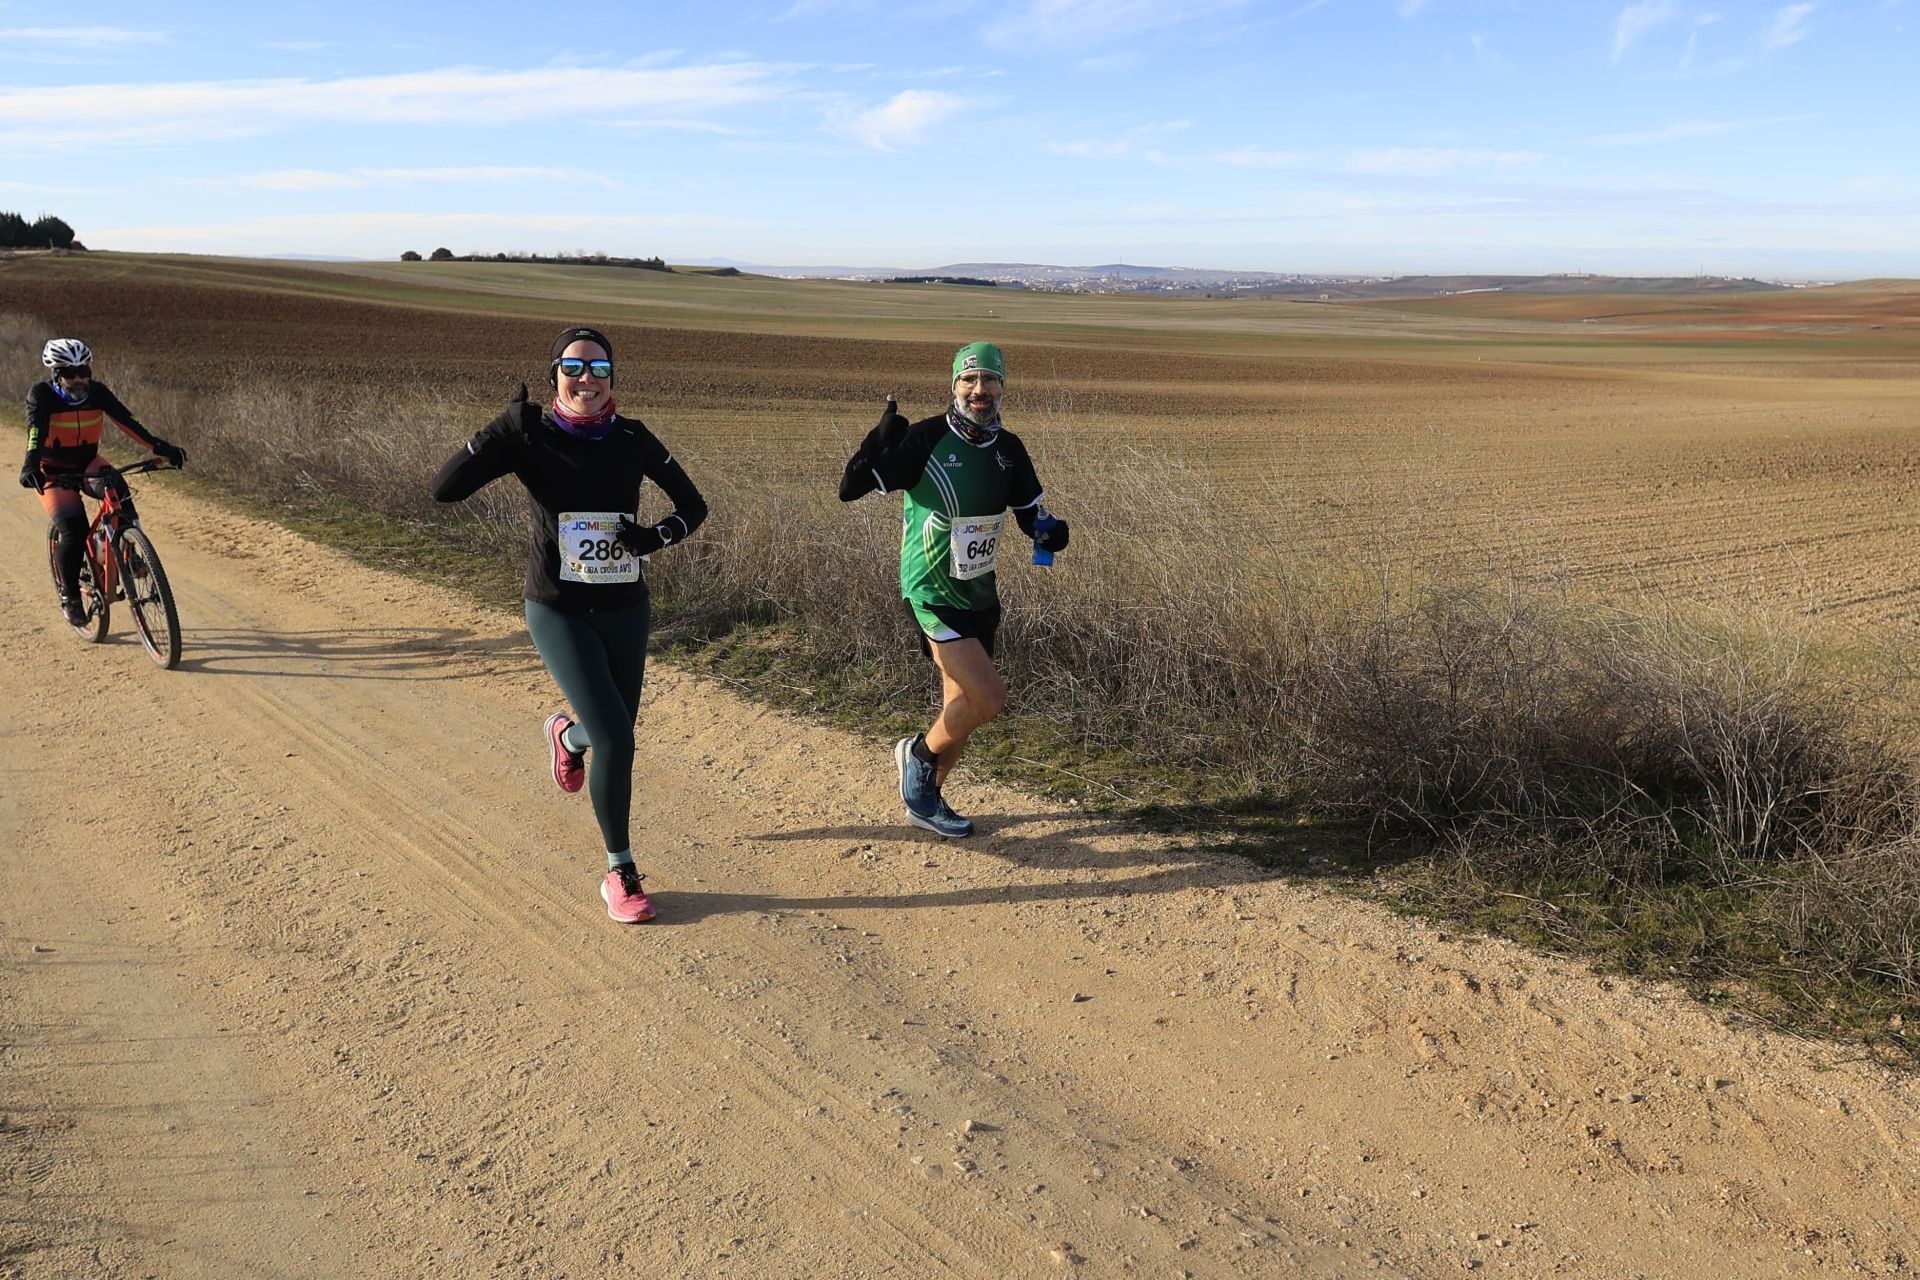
973	694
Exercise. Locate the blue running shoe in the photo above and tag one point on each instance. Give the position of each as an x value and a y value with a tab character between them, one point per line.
943	821
918	791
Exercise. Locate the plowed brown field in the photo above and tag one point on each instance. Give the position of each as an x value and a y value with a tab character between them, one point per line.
1759	449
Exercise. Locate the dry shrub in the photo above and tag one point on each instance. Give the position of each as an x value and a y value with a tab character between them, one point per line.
1859	912
1675	736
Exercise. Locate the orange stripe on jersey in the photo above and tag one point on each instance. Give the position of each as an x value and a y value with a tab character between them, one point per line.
71	427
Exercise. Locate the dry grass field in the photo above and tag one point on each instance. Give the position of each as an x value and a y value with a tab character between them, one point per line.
1750	449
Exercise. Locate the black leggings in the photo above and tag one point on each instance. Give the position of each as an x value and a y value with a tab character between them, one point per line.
599	660
70	544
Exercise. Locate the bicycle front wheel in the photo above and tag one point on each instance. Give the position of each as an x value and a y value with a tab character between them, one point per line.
149	597
94	629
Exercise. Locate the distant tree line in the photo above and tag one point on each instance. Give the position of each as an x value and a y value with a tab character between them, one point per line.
560	259
990	284
44	232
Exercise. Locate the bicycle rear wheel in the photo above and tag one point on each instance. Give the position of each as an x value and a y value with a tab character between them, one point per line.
94	629
150	597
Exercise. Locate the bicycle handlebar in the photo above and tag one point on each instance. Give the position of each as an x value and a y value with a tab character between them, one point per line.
74	479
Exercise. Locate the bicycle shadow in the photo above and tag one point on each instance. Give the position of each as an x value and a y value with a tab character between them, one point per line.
373	653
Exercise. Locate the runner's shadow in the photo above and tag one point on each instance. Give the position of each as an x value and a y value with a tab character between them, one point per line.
690	906
376	653
1265	842
1063	841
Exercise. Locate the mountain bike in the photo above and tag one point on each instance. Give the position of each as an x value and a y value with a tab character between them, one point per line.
120	564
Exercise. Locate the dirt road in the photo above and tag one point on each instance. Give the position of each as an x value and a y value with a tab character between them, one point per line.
303	973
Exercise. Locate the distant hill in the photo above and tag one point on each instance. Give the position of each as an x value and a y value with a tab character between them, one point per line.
1121	277
1559	284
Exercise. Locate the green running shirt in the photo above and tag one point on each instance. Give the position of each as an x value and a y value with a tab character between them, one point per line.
964	487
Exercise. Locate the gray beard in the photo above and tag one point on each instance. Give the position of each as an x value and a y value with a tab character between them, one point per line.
991	424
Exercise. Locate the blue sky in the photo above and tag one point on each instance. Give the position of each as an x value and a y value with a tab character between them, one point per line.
1656	137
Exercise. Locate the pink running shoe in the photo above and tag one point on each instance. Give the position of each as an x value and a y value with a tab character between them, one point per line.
626	900
569	768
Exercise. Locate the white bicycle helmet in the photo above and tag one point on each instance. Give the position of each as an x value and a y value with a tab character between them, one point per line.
64	353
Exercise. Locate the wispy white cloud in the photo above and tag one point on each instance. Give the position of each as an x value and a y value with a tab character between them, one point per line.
355	179
293	180
900	121
1263	158
1111	63
1410	8
677	126
1093	148
83	35
479	232
1789	26
200	111
1636	20
52	189
1079	22
1435	160
1125	145
1684	130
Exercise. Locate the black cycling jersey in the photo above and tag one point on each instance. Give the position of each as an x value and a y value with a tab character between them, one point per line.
578	488
68	434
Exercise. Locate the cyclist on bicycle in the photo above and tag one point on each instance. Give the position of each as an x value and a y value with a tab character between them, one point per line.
65	415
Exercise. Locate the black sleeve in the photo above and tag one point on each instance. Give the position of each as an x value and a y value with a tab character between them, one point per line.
689	508
1023	486
38	416
860	478
122	416
893	456
493	452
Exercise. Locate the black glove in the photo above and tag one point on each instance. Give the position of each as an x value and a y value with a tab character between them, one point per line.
639	540
528	415
887	431
173	453
1053	538
30	477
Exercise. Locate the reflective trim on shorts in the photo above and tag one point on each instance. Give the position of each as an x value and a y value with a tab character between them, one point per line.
936	624
930	624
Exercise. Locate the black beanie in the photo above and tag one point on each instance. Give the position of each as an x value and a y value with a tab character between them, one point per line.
570	336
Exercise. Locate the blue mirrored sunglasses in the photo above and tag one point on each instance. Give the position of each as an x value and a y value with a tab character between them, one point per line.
573	367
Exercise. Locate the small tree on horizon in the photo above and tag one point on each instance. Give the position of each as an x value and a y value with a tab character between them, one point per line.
409	256
51	232
443	255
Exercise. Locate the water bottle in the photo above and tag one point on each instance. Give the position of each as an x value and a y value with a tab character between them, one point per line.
1043	558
